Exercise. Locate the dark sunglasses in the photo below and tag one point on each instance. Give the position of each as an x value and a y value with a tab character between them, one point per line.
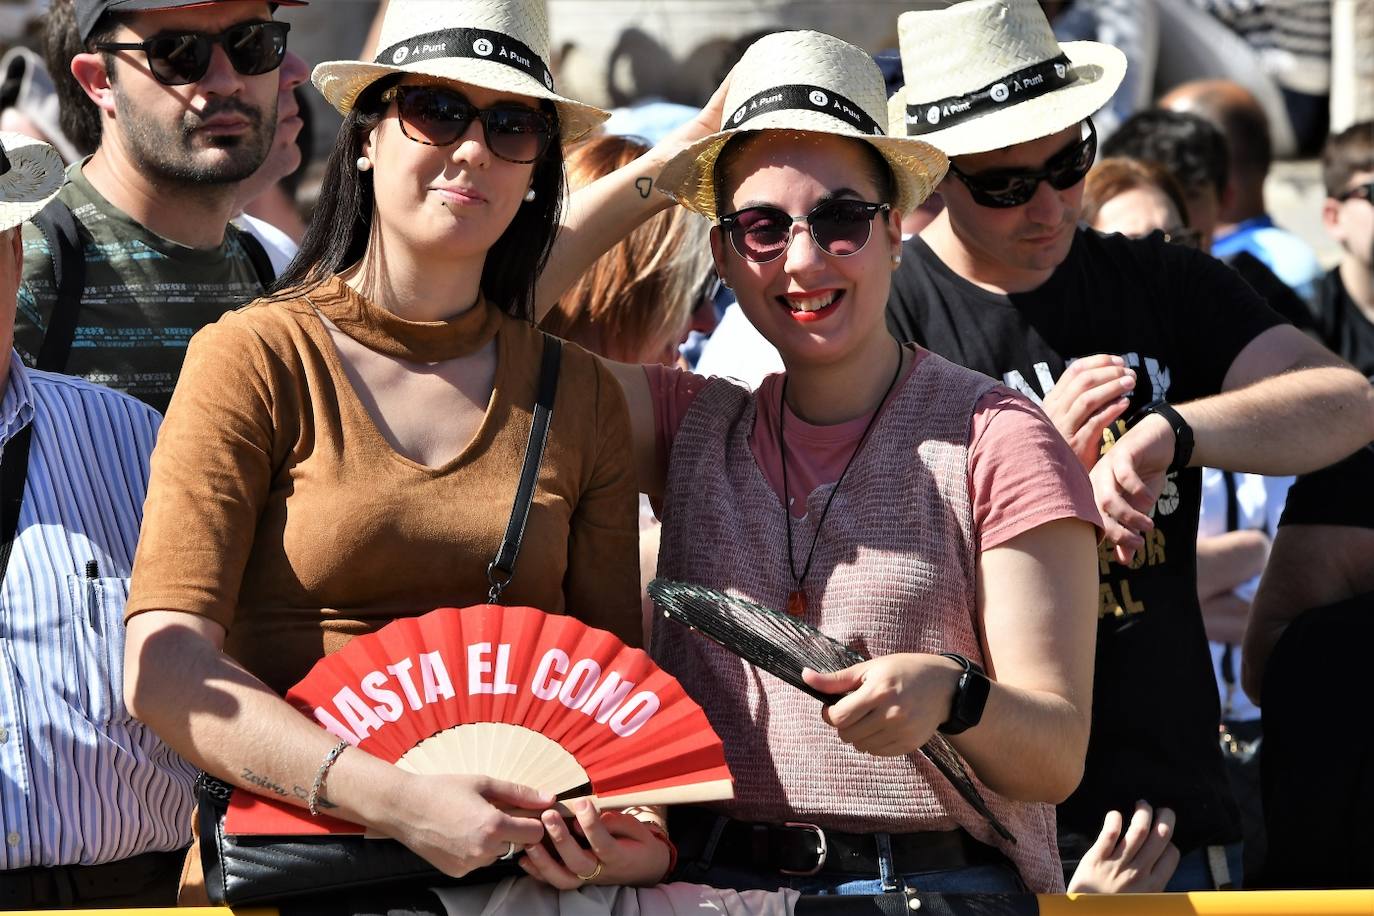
1363	191
839	227
179	58
437	116
1003	188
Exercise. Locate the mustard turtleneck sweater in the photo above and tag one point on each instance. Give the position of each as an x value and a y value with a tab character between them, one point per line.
277	509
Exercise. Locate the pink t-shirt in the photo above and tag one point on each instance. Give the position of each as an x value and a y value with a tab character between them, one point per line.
1021	471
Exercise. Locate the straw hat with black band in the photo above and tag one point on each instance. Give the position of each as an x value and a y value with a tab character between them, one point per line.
983	75
88	12
502	45
811	82
31	174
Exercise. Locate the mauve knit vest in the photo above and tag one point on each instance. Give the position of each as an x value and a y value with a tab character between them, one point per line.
894	571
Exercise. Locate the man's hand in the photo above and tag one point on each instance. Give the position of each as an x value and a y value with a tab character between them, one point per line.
1141	862
459	823
1127	481
1089	396
894	703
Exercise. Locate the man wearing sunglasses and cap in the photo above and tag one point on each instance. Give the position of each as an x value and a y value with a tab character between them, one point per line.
187	94
94	809
1151	359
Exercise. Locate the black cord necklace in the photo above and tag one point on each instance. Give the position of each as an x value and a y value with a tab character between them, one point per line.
796	599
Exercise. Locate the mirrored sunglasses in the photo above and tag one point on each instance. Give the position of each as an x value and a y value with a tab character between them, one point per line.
437	116
179	58
838	227
1003	188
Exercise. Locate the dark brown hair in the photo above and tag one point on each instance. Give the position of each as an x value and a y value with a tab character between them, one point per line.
1345	154
878	169
341	225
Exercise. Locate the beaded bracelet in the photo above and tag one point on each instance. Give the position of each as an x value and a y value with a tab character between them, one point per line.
312	803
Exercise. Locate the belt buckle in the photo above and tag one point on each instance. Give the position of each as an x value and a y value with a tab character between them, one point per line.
821	850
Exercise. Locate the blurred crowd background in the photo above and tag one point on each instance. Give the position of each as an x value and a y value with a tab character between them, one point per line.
1310	64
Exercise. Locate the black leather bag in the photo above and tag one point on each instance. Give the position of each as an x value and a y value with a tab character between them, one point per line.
250	870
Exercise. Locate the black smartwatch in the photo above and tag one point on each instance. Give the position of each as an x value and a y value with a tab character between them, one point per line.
1183	433
970	697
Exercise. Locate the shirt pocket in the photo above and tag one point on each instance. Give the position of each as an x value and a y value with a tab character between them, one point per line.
96	607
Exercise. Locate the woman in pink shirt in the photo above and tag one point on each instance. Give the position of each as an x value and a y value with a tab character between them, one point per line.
910	508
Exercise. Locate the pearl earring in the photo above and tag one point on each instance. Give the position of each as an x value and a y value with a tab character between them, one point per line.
529	196
363	163
896	261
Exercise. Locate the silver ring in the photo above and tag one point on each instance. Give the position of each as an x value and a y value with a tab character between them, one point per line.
510	853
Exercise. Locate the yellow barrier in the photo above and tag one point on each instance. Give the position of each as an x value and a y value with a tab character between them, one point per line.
1231	903
1218	903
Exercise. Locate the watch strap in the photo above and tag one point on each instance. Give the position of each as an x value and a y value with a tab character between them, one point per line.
970	697
1183	433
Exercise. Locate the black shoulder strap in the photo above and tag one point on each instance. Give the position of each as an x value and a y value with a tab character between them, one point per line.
502	569
1232	501
58	226
14	470
257	256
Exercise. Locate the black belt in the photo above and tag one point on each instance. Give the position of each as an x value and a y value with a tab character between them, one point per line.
152	876
806	849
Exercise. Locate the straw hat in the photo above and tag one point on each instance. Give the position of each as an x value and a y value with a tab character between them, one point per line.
987	74
804	81
501	45
30	175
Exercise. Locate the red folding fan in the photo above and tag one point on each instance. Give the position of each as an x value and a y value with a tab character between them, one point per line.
512	693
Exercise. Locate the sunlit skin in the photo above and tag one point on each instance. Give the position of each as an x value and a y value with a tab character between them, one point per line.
1015	249
844	347
162	142
442	205
1138	212
1351	224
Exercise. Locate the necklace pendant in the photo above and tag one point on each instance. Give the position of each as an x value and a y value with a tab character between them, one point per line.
796	602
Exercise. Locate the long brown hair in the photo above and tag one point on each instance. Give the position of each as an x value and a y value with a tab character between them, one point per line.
634	303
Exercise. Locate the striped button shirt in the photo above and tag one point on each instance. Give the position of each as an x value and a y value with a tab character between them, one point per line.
81	782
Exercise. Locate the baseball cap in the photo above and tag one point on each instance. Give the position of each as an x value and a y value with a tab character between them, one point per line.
88	12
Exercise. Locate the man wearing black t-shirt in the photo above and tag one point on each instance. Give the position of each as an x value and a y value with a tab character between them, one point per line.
1346	297
1106	333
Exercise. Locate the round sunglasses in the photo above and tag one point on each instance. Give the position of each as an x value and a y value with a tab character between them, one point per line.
839	227
180	58
1004	188
437	116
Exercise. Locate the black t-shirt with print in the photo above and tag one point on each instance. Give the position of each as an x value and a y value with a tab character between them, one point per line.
1340	494
1179	317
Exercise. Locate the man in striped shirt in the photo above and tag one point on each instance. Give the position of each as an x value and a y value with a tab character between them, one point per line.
94	809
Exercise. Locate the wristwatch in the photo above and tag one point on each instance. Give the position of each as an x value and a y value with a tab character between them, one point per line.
970	697
1183	433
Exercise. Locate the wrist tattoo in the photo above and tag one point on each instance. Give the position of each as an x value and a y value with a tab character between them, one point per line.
262	782
644	185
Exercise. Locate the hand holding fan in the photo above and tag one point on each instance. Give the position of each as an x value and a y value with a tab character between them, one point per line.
782	645
508	692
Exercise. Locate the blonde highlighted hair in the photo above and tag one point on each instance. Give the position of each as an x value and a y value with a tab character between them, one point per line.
635	302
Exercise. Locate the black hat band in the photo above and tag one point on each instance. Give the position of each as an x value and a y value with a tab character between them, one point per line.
804	98
1021	86
478	44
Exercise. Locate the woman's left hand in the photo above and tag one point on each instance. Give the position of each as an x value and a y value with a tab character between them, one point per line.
623	851
894	703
